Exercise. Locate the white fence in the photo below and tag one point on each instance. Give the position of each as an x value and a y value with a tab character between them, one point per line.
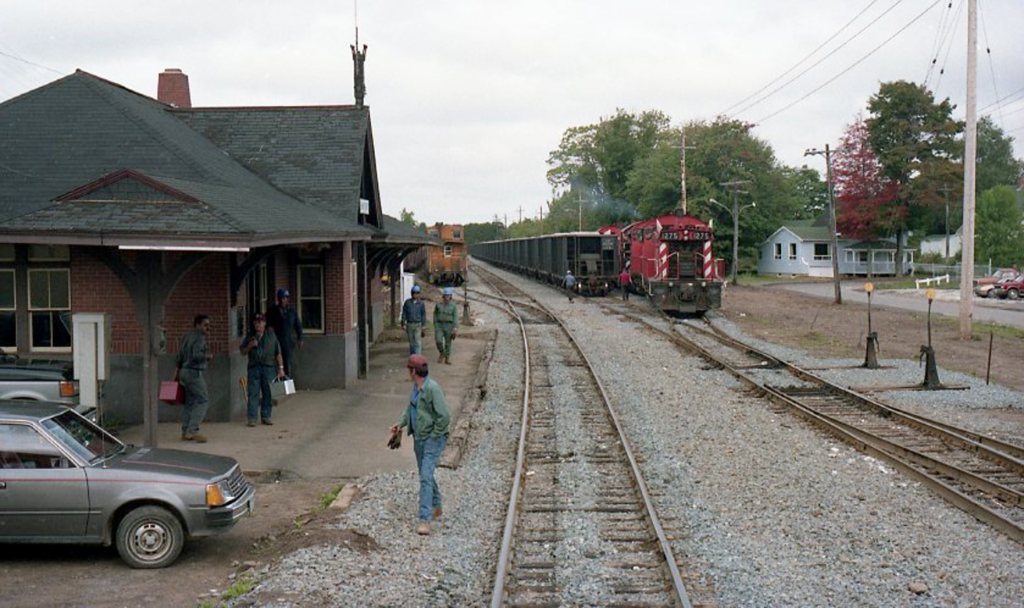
928	282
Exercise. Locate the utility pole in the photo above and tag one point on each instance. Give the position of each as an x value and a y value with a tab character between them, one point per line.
945	190
831	219
970	168
682	169
735	213
520	214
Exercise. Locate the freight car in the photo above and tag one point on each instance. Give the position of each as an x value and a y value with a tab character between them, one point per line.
446	265
592	257
669	259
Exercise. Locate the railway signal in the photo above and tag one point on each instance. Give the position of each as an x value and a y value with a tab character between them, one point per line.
871	354
931	371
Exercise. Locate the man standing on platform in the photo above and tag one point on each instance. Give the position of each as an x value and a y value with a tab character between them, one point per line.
287	328
446	320
264	355
193	356
414	315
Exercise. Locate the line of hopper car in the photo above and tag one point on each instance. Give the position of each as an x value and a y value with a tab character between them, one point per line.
668	257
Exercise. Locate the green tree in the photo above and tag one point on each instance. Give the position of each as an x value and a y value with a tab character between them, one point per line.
915	140
996	164
1000	236
407	217
478	233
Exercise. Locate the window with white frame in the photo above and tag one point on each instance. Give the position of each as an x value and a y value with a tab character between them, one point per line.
447	251
354	284
792	251
49	299
49	253
8	308
310	297
821	252
778	251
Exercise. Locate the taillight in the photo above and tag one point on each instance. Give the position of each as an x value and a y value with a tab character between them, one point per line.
68	388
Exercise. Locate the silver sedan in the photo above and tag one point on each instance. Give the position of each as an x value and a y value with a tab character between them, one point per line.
64	479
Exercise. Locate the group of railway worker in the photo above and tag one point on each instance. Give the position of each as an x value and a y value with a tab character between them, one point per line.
427	416
446	321
625	282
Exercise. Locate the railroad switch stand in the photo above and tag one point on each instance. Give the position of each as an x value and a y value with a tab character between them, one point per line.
871	354
931	371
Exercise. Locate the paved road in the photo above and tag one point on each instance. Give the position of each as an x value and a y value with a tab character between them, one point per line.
947	303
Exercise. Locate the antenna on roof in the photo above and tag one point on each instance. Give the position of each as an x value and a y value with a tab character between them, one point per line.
359	58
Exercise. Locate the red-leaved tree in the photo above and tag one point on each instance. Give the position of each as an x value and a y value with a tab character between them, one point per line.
866	206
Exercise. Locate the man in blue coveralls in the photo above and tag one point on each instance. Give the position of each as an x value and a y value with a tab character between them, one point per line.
414	315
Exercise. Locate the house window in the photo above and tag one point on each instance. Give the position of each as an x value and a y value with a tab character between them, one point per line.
6	252
354	285
821	252
49	253
8	325
851	256
49	299
792	251
778	251
447	251
456	234
311	297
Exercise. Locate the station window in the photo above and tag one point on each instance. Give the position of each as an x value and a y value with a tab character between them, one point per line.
49	253
8	323
311	297
49	302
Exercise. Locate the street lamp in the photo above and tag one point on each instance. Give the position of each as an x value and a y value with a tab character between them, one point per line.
735	213
831	218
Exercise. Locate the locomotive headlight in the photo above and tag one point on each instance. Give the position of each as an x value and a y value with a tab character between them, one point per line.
703	284
670	283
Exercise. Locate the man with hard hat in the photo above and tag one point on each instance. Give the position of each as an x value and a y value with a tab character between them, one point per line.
446	320
414	315
426	417
284	321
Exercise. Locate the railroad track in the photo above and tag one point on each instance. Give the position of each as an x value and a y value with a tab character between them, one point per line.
982	476
581	527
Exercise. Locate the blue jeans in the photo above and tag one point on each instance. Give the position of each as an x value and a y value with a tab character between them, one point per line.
259	391
428	452
413	331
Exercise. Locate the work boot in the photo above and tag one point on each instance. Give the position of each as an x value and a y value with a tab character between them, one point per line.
440	357
437	513
446	361
196	437
251	422
423	529
184	436
267	421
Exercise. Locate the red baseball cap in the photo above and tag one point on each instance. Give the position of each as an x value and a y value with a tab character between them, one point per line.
416	361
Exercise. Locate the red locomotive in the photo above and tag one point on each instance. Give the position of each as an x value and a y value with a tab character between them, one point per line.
669	258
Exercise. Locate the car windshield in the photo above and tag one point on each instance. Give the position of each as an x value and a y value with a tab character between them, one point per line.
88	441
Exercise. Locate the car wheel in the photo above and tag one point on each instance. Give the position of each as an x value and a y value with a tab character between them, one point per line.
1013	294
150	537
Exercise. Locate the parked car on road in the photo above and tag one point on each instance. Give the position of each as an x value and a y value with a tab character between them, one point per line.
983	287
63	479
1009	288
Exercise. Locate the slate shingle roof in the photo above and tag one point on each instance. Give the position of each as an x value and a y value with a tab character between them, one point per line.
76	130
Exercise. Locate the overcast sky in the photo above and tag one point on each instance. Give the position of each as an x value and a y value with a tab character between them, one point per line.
468	98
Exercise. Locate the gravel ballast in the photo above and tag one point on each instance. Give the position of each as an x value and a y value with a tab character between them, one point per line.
774	511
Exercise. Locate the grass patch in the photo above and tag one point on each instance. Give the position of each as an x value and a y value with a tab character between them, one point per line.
328	498
814	339
756	280
910	284
240	587
981	329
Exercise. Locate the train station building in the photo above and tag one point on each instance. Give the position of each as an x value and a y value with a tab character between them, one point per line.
155	211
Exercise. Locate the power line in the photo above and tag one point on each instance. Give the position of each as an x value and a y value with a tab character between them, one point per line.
820	61
949	46
805	58
937	43
991	66
853	65
26	61
1018	93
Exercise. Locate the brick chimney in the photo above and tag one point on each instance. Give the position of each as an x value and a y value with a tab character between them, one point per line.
172	88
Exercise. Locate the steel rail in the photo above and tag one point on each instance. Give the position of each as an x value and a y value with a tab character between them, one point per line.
1008	453
677	580
896	455
498	592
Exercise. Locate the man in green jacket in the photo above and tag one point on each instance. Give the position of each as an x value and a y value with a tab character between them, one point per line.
427	419
190	371
446	321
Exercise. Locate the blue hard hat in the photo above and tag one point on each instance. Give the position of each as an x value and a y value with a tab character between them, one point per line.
447	291
415	288
283	293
